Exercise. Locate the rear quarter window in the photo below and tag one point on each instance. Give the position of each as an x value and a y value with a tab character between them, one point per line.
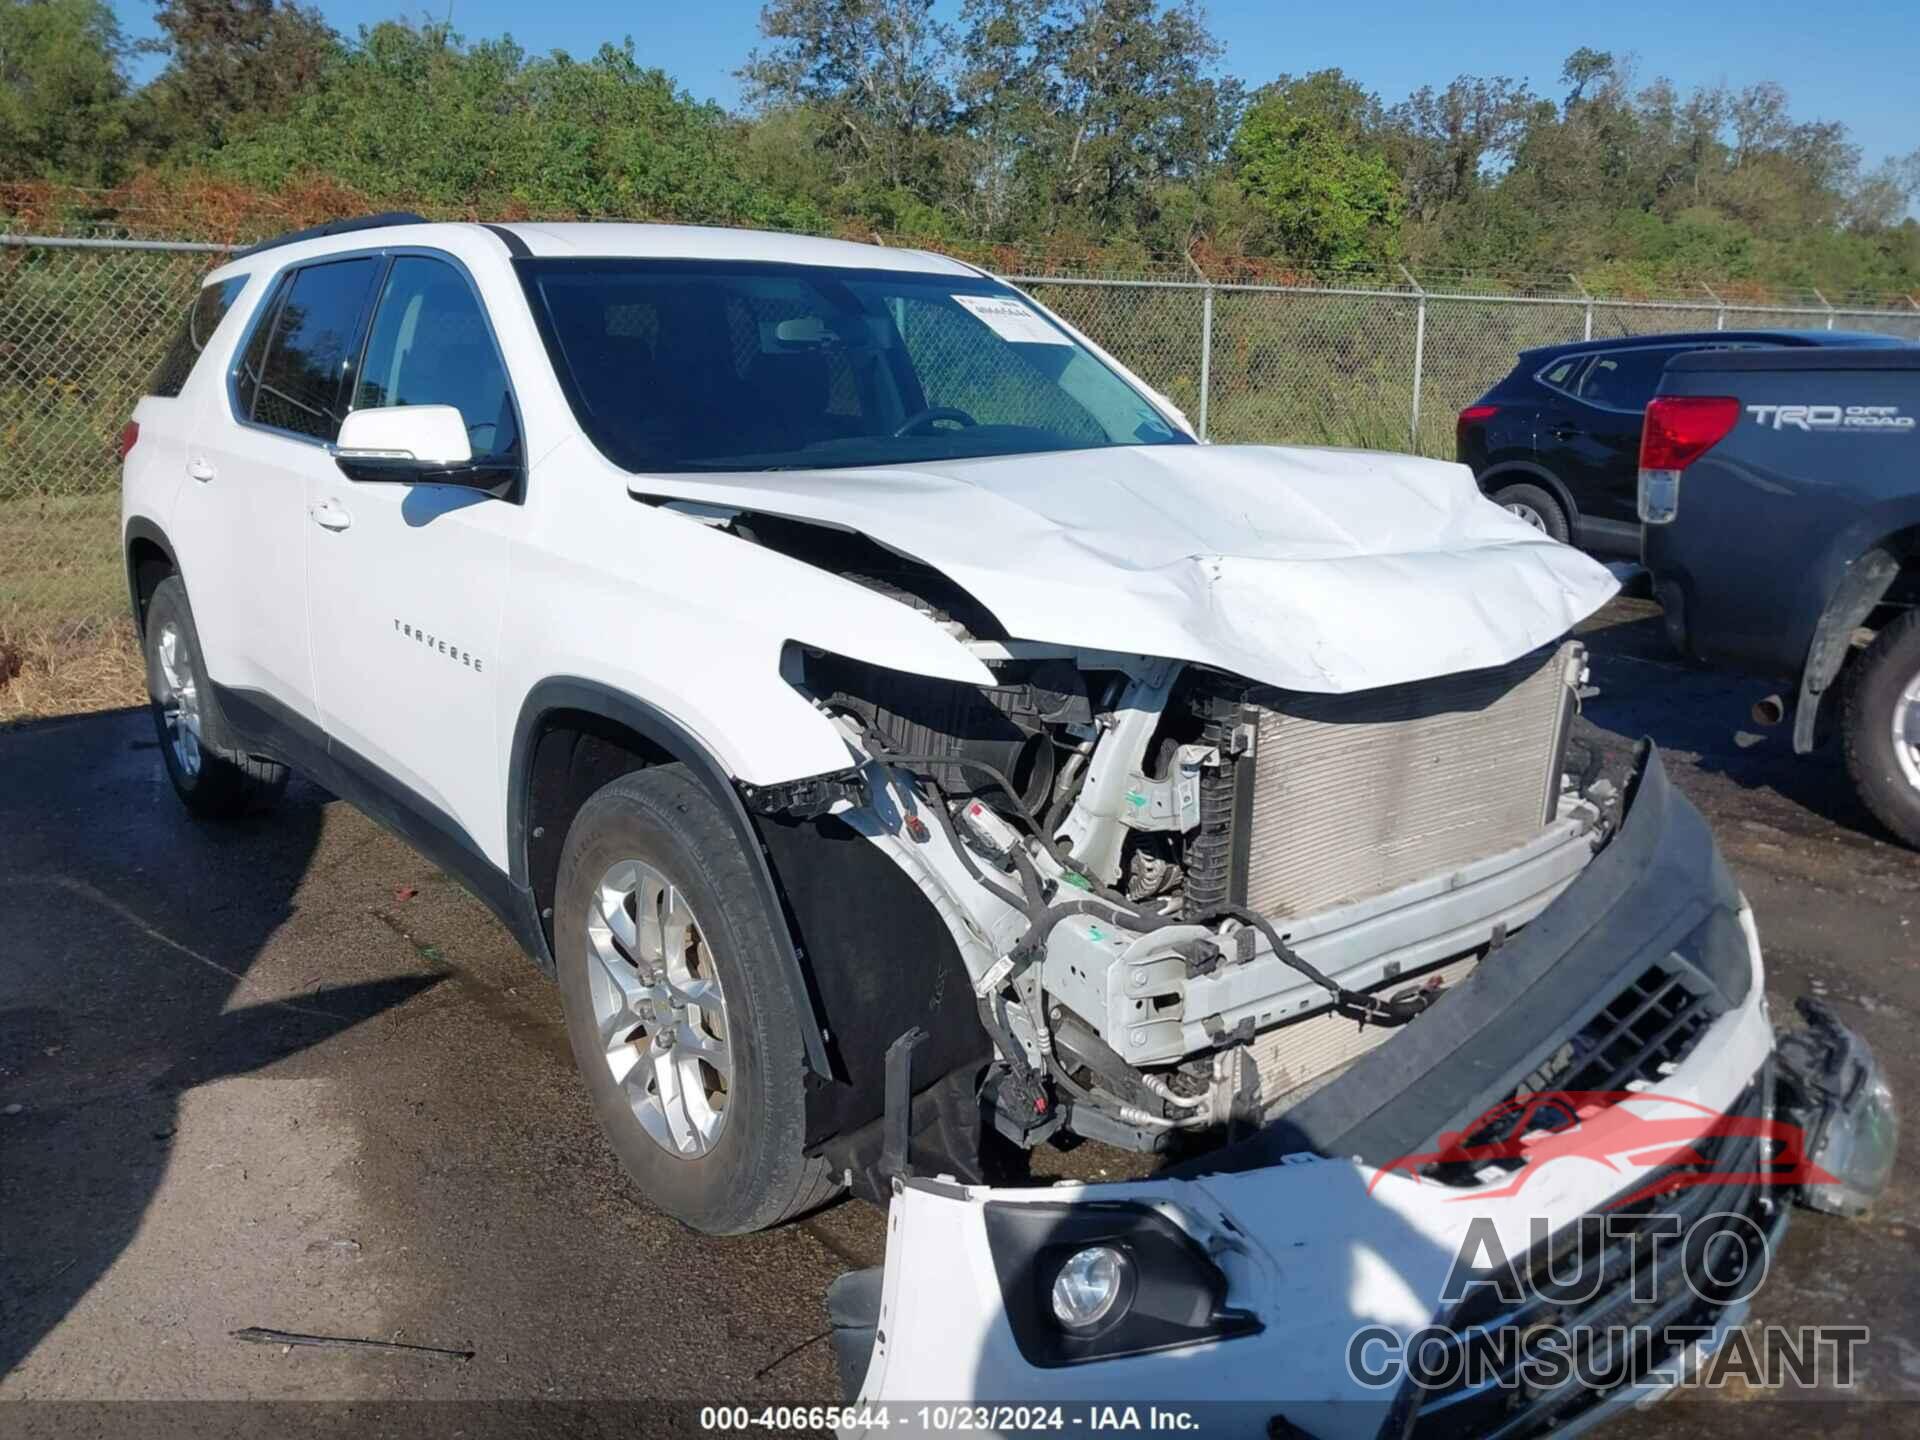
1625	379
209	308
1562	375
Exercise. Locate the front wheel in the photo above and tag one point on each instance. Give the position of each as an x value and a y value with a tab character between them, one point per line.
1881	727
684	1022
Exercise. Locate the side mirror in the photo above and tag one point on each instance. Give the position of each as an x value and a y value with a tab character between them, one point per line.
415	445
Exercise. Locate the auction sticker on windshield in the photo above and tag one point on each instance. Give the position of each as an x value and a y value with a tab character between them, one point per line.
1011	320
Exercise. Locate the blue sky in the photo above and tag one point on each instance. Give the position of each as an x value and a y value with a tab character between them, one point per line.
1851	61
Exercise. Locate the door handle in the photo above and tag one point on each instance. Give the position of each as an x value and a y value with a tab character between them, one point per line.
200	470
331	515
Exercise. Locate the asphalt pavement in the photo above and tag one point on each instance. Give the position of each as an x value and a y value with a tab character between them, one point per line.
285	1074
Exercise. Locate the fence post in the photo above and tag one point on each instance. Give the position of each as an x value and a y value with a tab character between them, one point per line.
1823	300
1720	313
1586	332
1206	337
1419	352
1206	352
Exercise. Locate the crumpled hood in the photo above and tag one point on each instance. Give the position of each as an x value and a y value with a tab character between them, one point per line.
1310	569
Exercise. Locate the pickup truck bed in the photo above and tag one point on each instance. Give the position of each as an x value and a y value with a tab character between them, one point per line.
1795	529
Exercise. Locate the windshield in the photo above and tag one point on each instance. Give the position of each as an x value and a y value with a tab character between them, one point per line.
675	365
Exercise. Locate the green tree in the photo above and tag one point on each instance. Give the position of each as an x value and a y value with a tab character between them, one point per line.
231	65
1080	113
63	105
1444	141
1309	158
876	71
415	114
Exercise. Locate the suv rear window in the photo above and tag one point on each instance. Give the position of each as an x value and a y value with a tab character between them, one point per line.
209	308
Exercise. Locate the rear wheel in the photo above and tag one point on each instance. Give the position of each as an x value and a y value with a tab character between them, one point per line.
1881	727
1535	506
683	1021
214	777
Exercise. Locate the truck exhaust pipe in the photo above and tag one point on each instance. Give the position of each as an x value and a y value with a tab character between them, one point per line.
1770	711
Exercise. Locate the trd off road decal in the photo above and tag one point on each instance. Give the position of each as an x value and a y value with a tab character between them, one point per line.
1884	418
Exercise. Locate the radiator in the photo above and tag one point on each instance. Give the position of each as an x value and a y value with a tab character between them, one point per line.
1294	1060
1353	795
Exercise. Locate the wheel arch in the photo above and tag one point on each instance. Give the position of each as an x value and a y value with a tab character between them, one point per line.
574	735
149	558
863	944
1864	582
1511	472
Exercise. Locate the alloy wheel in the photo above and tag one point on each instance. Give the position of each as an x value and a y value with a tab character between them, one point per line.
179	697
1527	513
1906	732
658	1008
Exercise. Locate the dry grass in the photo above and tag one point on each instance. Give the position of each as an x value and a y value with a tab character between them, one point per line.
64	670
66	644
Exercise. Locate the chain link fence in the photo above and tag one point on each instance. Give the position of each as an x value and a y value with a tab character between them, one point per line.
1379	368
82	325
84	321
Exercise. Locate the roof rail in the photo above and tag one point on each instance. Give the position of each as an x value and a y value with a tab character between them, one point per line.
336	227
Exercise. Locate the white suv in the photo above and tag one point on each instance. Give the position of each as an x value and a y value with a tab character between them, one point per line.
846	678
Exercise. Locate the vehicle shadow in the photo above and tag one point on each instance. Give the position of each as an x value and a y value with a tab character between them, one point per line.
1646	689
127	932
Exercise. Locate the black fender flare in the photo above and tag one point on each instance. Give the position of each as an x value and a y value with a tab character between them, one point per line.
139	527
1509	471
1862	586
667	734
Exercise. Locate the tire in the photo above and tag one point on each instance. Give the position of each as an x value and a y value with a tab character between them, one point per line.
1884	692
1537	508
714	1137
213	777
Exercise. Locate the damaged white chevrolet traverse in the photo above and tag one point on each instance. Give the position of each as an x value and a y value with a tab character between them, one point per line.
907	746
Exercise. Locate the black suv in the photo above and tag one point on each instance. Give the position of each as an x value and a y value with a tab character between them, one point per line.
1558	441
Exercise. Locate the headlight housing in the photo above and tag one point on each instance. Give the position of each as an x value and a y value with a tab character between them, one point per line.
1101	1279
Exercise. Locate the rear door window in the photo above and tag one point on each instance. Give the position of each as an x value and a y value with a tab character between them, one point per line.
209	308
299	386
1625	379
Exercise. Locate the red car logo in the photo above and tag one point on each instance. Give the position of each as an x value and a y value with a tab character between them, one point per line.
1678	1141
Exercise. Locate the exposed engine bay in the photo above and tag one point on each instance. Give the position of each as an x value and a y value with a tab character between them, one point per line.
1183	900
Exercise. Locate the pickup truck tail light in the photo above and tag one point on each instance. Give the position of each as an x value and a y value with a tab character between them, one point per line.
1679	429
129	437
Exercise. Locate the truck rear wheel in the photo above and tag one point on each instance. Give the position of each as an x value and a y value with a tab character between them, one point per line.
1881	727
683	1021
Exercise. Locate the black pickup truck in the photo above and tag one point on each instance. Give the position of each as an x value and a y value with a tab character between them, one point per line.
1780	494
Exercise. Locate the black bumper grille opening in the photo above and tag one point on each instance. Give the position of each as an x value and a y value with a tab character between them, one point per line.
1631	1307
1631	1042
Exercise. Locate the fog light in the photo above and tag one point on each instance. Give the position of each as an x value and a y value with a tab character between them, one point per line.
1089	1286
